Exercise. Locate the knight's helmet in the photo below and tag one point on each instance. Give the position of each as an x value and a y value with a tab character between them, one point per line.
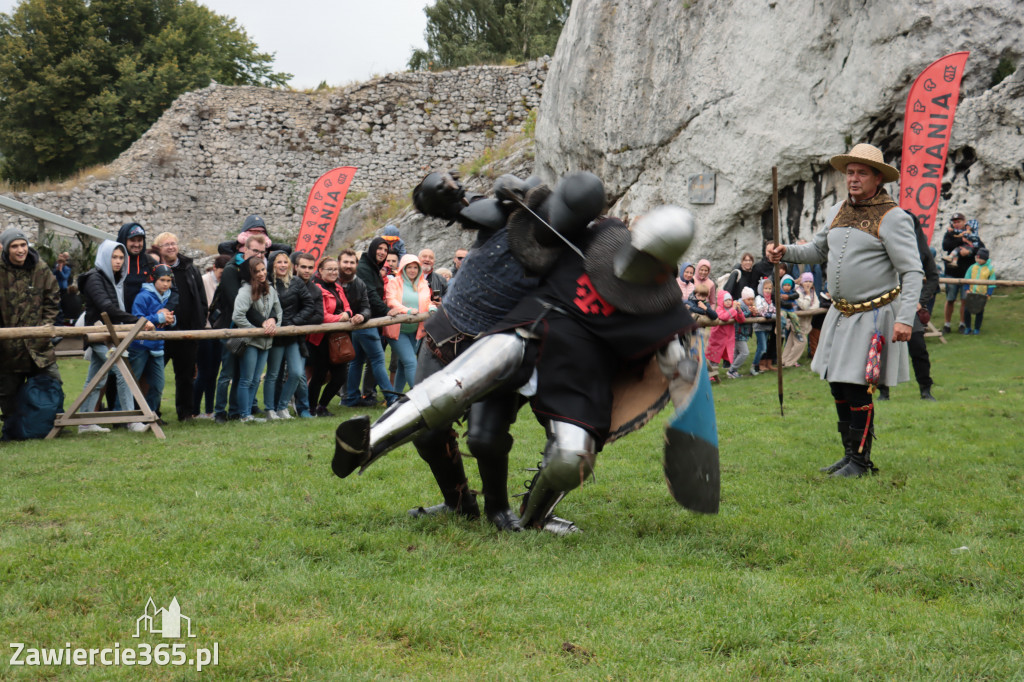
658	240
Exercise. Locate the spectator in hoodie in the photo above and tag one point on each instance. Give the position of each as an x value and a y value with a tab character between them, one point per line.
807	299
208	350
254	294
252	226
764	332
978	294
192	309
371	262
391	235
298	308
722	340
147	357
29	297
407	293
138	265
103	292
366	341
685	280
703	276
226	403
743	331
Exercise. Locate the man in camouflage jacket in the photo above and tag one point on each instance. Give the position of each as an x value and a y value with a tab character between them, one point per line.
29	297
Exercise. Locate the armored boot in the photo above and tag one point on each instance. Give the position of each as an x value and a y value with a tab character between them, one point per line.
860	454
490	443
844	434
434	403
568	460
439	448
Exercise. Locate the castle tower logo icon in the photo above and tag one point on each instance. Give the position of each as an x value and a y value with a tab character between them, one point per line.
164	622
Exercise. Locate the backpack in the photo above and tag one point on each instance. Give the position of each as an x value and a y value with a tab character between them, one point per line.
724	279
39	401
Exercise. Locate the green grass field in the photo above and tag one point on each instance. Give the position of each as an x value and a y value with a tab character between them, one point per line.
916	573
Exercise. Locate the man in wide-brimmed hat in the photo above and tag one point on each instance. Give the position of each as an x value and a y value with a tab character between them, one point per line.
875	278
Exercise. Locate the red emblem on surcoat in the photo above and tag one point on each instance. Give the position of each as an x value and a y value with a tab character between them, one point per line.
588	300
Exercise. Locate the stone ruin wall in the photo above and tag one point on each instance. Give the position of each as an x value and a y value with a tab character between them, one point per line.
223	152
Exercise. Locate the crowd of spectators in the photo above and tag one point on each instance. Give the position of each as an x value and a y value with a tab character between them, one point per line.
255	283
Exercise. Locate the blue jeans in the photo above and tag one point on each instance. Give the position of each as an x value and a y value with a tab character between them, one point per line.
124	394
405	345
250	367
149	368
275	397
368	349
226	398
762	346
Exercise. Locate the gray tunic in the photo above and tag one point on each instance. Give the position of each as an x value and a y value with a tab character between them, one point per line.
860	268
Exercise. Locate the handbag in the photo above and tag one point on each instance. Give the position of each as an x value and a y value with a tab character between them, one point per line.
340	349
235	345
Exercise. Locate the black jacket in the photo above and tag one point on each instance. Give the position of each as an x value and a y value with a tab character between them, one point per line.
227	291
369	271
358	298
192	307
298	306
99	296
138	268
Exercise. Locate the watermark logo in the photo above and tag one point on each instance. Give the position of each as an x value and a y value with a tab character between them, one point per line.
168	623
164	622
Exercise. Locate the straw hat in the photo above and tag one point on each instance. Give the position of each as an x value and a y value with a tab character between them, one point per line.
868	155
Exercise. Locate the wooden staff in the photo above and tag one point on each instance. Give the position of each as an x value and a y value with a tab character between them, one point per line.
775	281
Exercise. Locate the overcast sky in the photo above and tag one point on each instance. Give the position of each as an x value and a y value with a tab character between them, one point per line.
338	42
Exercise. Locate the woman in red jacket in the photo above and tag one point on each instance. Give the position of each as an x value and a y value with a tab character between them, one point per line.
336	309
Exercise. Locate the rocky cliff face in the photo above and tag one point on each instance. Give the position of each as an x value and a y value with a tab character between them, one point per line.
648	93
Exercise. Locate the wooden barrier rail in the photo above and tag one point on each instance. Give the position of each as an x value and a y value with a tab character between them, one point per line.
97	335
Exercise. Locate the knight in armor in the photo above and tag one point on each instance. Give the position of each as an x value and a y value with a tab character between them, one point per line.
491	282
606	303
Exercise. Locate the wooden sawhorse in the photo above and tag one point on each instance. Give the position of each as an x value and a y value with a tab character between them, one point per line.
143	415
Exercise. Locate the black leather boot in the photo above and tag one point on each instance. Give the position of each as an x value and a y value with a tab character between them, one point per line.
440	450
860	461
926	393
844	434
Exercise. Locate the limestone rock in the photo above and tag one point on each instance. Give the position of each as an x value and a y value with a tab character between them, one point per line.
646	94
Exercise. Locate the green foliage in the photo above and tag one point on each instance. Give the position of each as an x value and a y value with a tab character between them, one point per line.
1004	70
912	574
79	82
463	32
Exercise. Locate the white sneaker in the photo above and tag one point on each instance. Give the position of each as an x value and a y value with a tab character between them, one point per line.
271	414
284	414
92	428
252	420
138	427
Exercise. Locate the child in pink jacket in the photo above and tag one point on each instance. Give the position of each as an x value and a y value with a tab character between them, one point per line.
722	342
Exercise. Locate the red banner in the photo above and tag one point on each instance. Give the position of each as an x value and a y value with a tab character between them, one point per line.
322	209
927	122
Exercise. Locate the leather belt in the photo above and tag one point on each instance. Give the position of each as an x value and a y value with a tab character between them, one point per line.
847	308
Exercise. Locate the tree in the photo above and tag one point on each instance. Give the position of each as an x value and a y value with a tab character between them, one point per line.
80	81
461	32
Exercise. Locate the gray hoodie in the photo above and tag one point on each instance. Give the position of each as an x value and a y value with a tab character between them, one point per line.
102	263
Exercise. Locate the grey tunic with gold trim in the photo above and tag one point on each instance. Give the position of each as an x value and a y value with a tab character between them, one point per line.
870	249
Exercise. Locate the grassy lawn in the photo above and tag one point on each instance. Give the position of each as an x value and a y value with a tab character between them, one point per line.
916	573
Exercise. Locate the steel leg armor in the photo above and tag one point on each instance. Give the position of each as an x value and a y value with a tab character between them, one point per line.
568	460
436	402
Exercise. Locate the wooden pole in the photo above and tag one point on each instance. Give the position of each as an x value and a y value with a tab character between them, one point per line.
775	281
50	331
